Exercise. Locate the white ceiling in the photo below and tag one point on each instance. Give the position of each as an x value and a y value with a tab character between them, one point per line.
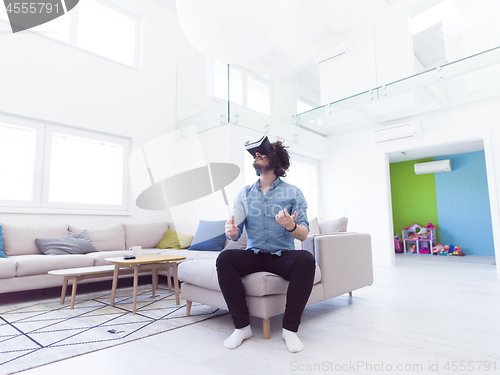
314	25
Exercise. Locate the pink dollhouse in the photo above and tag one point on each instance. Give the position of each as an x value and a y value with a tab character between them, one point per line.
419	239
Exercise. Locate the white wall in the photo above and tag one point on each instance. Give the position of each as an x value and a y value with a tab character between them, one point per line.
45	79
355	178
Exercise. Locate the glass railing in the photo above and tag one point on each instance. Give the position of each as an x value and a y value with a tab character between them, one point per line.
398	68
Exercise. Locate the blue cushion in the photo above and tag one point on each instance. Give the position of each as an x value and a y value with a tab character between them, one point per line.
209	236
2	254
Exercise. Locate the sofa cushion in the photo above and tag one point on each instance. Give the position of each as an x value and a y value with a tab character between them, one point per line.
314	226
2	254
7	268
241	244
29	265
209	236
174	240
20	239
203	272
78	243
146	235
333	226
105	237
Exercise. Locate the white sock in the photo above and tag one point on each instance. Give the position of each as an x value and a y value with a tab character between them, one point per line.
292	341
237	337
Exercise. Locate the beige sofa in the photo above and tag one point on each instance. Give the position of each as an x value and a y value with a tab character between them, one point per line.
26	267
343	264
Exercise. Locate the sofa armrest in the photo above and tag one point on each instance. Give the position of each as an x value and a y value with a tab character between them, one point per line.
345	261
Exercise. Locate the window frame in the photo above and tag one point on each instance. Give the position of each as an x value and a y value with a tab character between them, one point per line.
37	165
40	203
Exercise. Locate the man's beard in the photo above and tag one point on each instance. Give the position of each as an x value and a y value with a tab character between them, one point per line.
259	168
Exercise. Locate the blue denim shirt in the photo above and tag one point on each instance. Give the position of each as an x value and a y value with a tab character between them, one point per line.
257	212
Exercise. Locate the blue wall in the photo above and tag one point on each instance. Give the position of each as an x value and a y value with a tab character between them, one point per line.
463	204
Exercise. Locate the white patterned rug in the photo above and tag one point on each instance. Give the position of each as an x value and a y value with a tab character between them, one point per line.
37	333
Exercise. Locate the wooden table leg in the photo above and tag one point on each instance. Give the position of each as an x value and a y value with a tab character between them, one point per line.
64	289
266	328
169	280
176	284
115	283
136	283
73	291
155	281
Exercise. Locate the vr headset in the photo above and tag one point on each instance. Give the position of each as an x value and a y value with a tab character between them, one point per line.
262	146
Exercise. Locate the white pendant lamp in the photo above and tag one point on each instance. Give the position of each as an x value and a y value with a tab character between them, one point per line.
232	31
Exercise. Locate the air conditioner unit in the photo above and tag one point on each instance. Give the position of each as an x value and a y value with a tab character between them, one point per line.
433	167
336	51
398	132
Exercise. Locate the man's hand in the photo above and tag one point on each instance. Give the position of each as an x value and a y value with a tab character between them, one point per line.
232	229
285	220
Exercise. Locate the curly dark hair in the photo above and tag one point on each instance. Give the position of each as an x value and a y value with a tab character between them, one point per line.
279	159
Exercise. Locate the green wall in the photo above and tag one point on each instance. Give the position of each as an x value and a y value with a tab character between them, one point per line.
413	196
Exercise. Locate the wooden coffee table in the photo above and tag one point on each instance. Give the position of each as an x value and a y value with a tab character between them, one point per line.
79	274
146	262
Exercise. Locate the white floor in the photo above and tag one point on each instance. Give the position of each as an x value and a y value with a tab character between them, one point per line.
426	315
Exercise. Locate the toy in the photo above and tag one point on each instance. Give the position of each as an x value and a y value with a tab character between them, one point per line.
424	250
420	236
424	233
438	249
457	251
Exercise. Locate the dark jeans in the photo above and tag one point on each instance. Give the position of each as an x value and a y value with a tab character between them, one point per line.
296	266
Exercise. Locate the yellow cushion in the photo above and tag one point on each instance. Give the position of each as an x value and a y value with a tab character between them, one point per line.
185	240
174	240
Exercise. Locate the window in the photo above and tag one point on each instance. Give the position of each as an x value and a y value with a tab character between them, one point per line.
303	174
54	168
17	143
85	171
101	27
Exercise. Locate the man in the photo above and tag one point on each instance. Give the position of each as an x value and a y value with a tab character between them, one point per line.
265	209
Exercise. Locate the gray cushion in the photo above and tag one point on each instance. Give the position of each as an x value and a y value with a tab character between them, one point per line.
241	244
78	243
105	237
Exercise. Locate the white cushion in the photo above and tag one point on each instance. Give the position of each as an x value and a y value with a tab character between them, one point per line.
7	268
145	235
333	226
314	226
105	237
29	265
20	239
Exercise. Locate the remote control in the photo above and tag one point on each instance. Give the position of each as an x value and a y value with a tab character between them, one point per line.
128	257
